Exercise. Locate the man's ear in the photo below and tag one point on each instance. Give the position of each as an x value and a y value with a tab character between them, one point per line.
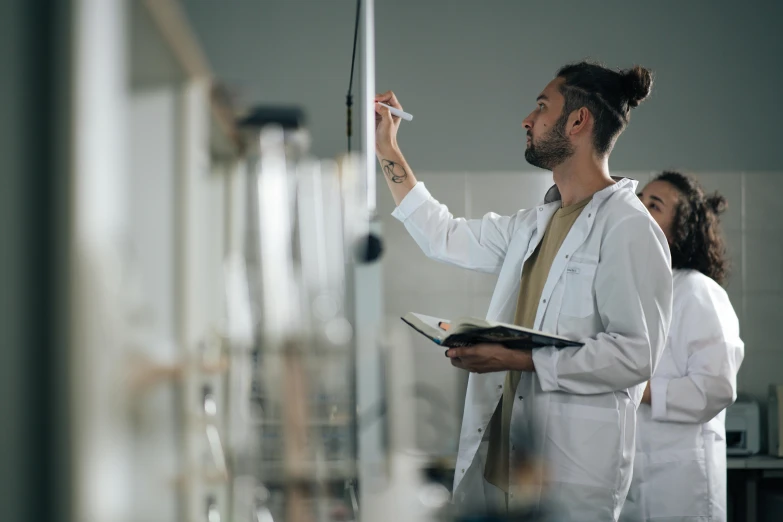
580	120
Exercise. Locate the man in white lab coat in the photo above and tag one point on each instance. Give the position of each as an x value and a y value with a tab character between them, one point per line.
588	263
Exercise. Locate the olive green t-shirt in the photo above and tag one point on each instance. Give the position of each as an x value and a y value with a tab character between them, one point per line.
534	275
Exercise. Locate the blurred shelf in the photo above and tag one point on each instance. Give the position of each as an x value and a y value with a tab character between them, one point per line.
164	51
754	462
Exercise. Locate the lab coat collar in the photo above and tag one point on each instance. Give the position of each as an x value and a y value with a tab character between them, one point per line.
553	194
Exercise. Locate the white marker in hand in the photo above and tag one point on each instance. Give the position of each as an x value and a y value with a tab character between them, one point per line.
397	112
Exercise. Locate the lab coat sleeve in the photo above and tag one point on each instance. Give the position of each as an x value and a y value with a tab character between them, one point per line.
475	244
708	333
633	291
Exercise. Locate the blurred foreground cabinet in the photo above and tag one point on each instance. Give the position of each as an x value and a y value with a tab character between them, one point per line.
155	164
129	306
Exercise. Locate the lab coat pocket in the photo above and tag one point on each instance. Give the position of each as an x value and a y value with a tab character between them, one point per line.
578	300
676	485
583	445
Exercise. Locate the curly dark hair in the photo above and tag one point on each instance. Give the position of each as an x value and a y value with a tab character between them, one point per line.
697	242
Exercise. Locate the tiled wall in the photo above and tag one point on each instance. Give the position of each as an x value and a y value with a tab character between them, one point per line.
753	227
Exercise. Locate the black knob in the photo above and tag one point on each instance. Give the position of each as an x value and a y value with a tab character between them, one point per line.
369	248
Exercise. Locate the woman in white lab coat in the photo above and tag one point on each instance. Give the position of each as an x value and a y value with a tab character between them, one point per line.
679	470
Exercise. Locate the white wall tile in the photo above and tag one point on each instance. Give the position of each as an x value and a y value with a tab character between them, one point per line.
729	184
447	188
436	289
441	304
445	304
481	283
763	261
763	203
384	200
734	285
394	234
480	304
733	239
762	320
757	372
438	416
407	269
441	397
738	303
503	193
397	304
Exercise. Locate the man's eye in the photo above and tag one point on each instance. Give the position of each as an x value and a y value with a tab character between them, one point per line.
541	106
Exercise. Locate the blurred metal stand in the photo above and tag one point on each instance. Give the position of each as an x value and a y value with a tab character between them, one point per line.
309	255
301	406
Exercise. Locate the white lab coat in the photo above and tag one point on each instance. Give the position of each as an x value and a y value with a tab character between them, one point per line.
609	286
680	466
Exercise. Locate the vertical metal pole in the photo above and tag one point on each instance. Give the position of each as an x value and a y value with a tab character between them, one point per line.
368	99
368	308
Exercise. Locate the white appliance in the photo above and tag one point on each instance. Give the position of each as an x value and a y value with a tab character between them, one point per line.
743	428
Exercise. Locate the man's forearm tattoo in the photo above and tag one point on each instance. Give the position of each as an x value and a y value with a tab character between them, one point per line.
394	171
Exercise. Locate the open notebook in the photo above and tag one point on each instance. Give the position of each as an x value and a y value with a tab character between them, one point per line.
467	331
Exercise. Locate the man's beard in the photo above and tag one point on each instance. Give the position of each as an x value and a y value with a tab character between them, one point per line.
553	148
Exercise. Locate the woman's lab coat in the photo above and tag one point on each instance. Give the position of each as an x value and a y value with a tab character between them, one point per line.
680	466
610	287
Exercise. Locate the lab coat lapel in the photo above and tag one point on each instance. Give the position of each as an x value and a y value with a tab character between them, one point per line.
544	213
485	390
575	238
573	241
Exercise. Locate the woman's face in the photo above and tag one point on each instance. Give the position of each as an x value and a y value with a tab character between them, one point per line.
661	199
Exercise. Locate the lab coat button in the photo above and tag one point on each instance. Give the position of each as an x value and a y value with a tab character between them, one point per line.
500	386
544	301
540	209
463	470
479	430
520	397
